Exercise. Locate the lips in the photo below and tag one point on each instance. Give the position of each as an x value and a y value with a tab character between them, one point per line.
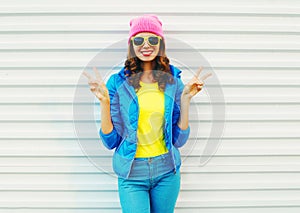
146	53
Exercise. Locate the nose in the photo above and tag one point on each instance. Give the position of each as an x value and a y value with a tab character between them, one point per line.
146	44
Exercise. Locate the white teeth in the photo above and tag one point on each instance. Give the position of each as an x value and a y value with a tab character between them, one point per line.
148	52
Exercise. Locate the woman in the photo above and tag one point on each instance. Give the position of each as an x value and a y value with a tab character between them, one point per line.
144	116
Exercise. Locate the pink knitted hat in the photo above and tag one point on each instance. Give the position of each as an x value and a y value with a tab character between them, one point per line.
146	23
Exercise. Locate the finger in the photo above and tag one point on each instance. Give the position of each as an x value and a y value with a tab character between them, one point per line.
206	76
99	95
199	87
93	83
196	81
87	75
198	72
98	76
199	82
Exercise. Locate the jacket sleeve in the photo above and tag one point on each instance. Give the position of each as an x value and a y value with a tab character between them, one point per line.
112	139
180	136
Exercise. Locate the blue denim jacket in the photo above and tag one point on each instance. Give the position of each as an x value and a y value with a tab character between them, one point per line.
124	113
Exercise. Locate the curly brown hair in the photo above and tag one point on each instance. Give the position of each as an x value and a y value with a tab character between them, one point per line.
161	69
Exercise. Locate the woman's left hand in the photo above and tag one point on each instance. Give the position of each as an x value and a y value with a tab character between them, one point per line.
195	85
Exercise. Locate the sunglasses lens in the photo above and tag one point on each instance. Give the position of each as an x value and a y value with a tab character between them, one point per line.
138	41
153	40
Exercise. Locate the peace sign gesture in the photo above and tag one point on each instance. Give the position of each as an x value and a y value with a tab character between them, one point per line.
195	85
97	86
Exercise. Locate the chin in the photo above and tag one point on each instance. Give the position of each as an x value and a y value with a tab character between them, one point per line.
149	58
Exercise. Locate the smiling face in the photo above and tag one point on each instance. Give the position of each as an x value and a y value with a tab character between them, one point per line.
146	51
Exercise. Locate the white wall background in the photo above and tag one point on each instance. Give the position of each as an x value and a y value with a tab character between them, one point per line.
254	49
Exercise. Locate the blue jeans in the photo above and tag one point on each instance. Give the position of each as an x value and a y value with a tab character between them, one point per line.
154	195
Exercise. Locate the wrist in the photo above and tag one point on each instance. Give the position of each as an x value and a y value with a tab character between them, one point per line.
105	102
186	98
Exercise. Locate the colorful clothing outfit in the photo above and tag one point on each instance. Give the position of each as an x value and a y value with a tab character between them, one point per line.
124	114
146	136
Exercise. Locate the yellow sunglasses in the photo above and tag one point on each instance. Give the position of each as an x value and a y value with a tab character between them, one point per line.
140	40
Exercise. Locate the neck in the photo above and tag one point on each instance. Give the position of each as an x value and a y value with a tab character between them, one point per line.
147	66
147	76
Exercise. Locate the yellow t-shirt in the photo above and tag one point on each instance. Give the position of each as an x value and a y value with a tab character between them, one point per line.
150	132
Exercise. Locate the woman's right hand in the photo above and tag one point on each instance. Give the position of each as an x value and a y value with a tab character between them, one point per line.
97	86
